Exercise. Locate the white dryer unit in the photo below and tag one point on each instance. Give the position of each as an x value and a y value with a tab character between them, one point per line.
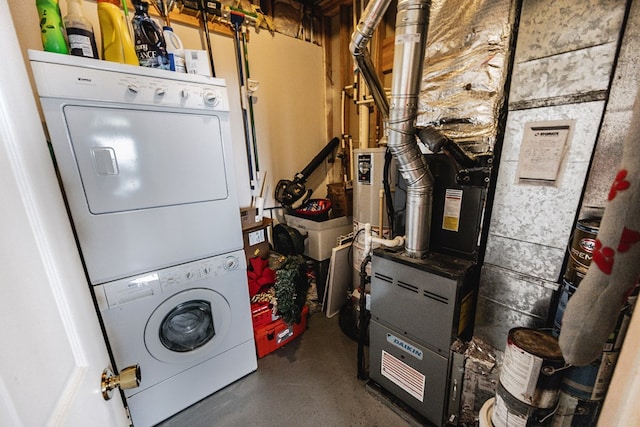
145	159
186	327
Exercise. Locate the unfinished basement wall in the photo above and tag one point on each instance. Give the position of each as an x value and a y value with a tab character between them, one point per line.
564	60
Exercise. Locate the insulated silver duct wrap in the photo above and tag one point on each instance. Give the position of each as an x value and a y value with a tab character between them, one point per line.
371	17
411	32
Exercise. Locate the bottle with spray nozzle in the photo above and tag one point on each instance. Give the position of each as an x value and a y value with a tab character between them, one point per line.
82	40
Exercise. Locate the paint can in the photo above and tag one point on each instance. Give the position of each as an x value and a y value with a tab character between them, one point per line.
583	242
509	411
532	368
574	273
590	382
575	412
616	338
568	289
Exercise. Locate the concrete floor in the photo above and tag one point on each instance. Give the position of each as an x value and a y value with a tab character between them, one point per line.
312	380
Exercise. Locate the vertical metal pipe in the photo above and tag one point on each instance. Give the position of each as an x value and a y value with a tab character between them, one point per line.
412	20
400	114
371	17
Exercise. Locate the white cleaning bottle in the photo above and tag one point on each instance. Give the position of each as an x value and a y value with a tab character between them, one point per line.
175	50
82	41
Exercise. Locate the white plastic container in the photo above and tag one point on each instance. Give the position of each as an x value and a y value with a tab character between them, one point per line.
175	50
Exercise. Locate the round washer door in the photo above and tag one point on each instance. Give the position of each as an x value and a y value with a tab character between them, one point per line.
188	326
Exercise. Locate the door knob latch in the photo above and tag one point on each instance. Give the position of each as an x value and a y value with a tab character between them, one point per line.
129	377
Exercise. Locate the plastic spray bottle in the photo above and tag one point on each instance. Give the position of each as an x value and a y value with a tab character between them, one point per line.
175	50
51	27
151	47
82	41
117	45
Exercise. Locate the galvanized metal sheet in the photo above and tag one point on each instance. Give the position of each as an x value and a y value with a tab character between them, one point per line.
506	300
565	74
551	28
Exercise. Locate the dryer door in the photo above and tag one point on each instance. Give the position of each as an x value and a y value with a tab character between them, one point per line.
189	326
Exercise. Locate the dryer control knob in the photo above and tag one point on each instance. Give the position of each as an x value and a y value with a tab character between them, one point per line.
184	94
210	98
132	88
231	263
160	91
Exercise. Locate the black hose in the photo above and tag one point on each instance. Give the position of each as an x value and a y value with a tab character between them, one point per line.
387	192
437	141
364	319
319	158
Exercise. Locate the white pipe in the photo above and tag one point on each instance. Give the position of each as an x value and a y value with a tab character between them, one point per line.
369	240
364	122
342	112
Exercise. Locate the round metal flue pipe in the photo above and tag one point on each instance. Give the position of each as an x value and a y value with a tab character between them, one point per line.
412	22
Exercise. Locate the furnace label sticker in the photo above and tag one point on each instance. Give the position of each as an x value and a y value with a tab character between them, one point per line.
452	207
403	345
403	375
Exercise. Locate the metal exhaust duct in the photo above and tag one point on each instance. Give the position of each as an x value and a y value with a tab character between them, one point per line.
412	21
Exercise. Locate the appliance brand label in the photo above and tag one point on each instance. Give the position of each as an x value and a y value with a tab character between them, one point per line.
415	352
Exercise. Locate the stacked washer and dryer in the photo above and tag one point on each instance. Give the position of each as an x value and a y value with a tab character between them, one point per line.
145	160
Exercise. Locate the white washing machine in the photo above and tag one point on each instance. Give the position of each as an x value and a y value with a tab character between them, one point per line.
146	164
186	327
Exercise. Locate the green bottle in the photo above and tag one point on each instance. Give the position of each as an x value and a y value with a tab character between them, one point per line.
51	28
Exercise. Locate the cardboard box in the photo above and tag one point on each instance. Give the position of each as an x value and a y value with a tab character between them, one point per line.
274	335
249	218
341	199
256	240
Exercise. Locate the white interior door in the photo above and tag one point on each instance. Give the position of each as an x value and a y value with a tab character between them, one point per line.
53	353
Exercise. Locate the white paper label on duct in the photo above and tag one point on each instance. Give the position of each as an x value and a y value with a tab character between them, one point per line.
403	375
452	207
407	38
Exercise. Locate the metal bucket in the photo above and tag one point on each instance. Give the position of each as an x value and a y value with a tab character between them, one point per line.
533	367
509	411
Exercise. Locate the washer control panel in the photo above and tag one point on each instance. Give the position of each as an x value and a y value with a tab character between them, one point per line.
113	294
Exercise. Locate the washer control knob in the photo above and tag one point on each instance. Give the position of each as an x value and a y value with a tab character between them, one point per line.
231	263
184	94
210	97
160	91
132	88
